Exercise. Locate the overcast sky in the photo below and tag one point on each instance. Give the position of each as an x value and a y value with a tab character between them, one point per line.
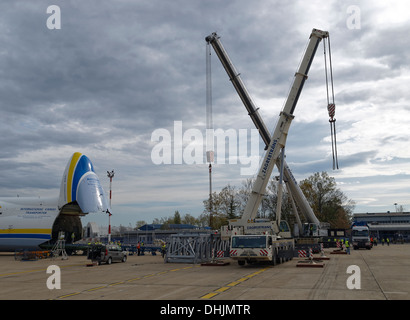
119	72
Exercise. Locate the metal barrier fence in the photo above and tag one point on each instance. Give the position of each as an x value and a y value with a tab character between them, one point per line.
196	248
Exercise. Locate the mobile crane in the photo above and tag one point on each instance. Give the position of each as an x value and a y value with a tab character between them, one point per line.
253	239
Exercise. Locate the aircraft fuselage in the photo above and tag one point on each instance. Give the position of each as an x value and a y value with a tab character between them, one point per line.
26	222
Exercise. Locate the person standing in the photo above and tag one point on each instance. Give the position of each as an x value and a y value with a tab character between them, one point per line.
163	249
347	245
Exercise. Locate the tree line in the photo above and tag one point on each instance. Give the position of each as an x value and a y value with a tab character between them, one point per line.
327	201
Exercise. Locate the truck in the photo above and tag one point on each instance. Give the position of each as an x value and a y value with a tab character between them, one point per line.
259	248
253	240
361	236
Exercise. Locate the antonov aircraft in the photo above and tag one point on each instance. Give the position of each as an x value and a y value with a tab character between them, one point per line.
25	223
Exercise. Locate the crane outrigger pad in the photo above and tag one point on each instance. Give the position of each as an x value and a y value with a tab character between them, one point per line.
215	264
310	264
338	252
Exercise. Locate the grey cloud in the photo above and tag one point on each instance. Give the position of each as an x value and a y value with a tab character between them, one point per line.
117	71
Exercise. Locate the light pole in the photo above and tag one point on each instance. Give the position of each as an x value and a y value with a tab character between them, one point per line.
210	196
110	175
209	127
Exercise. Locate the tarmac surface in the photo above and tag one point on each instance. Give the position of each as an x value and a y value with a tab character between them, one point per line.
382	273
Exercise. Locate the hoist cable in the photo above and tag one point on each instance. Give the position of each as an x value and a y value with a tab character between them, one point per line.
331	70
327	82
333	102
209	121
334	134
331	107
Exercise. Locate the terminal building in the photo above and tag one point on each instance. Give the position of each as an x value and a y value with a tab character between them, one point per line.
392	225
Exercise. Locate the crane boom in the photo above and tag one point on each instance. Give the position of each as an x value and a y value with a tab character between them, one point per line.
298	195
236	80
278	139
